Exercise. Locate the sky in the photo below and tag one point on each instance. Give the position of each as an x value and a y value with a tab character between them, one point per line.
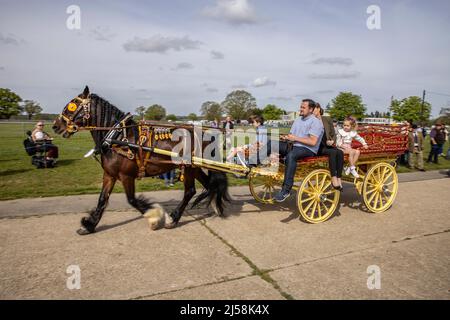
181	53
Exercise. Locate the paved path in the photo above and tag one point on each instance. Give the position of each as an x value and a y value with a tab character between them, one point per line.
257	252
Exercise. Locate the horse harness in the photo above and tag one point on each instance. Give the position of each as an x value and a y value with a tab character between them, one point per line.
146	135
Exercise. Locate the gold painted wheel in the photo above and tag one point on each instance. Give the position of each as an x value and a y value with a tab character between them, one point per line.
264	188
380	187
317	199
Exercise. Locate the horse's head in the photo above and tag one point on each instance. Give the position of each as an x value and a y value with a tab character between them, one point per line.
75	115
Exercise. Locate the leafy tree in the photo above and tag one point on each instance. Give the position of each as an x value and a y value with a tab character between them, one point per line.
192	116
211	110
272	112
140	111
155	112
31	108
9	104
410	109
238	103
171	117
347	104
255	112
444	119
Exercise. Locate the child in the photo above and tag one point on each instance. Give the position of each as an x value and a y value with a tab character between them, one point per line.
345	137
261	140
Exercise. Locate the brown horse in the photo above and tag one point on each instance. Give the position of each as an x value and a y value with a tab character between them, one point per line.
106	122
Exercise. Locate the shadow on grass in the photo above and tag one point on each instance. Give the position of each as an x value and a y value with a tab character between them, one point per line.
13	172
66	162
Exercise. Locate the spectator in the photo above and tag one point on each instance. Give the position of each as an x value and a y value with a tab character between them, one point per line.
41	137
437	140
228	125
415	148
169	177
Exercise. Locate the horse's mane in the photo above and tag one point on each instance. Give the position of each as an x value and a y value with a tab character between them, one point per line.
103	114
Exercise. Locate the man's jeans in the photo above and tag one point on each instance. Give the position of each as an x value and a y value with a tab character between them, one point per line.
291	165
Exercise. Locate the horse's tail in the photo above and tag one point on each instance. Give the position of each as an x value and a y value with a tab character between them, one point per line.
216	192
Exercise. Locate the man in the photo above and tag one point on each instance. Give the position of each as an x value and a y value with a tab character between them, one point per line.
306	134
437	139
415	148
228	125
40	136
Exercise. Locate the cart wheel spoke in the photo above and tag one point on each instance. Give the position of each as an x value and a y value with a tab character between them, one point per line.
307	199
313	212
309	206
319	209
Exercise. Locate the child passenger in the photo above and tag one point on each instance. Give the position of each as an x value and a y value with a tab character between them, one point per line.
250	149
345	137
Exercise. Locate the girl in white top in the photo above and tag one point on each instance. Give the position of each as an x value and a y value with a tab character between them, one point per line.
344	140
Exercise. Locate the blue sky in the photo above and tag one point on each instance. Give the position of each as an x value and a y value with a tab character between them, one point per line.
183	53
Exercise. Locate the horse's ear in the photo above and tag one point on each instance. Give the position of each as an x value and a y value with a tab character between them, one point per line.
86	92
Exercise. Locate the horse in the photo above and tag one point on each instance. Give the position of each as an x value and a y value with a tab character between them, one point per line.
89	111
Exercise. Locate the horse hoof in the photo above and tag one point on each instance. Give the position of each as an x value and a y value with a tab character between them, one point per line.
83	232
155	217
172	225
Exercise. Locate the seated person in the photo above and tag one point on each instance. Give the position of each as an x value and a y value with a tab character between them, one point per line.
40	136
306	134
251	149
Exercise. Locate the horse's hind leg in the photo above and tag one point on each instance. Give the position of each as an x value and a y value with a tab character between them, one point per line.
88	224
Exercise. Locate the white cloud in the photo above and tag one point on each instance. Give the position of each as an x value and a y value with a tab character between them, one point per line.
333	60
212	90
335	76
263	82
281	98
238	86
217	55
184	65
161	44
11	39
235	12
102	33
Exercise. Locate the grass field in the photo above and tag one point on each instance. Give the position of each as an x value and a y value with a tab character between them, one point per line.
74	174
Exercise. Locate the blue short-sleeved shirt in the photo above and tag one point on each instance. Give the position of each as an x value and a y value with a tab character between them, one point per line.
305	127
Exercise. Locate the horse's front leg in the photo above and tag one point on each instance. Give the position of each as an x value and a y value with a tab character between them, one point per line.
140	203
189	192
88	224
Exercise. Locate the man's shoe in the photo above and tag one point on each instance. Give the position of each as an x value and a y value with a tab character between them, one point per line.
281	196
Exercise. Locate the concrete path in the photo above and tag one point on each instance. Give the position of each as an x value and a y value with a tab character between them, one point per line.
257	252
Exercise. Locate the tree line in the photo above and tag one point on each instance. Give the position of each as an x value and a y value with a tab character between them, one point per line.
240	104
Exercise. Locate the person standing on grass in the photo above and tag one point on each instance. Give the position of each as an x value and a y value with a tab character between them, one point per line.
169	178
415	148
437	140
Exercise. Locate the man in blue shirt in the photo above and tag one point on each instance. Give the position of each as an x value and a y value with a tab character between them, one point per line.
306	134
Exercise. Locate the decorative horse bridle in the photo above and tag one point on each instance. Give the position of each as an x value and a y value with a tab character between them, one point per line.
72	111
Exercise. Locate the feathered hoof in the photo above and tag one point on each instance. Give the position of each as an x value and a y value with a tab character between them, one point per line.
172	225
155	217
169	222
83	231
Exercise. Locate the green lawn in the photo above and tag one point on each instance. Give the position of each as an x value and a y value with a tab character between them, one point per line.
74	174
